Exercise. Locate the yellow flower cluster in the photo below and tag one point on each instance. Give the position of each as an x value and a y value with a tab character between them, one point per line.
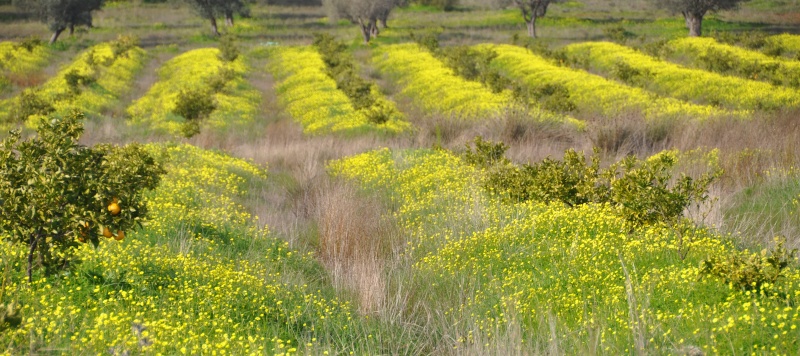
313	99
16	59
436	88
570	274
705	52
237	103
113	76
786	42
180	286
683	83
592	93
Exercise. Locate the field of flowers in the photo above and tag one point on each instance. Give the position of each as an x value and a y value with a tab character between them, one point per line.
435	88
237	103
581	276
706	53
182	285
16	59
592	93
313	99
789	44
103	77
669	79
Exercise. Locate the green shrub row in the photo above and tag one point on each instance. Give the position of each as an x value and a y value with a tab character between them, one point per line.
343	69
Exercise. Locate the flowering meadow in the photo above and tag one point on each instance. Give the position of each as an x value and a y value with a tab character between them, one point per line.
673	80
20	58
787	43
706	53
449	187
582	276
92	82
313	99
435	88
181	285
592	93
236	102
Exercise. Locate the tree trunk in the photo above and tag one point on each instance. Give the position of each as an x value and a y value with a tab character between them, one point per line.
214	28
229	19
366	32
695	24
71	29
532	27
56	33
373	28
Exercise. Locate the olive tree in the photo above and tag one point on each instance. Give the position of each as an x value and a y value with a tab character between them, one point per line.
693	11
365	13
213	9
209	10
532	10
61	15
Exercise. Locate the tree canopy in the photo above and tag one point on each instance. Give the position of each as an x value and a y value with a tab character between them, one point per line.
60	15
693	11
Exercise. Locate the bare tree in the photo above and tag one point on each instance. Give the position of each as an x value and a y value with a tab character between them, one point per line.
365	13
61	15
693	11
532	10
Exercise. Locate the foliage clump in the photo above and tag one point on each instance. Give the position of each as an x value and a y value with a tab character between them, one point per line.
342	68
751	271
56	193
644	191
30	102
228	50
194	105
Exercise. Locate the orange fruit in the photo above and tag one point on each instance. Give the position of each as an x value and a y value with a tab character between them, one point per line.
107	232
120	235
114	207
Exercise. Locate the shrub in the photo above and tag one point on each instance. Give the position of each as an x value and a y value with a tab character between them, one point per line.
486	153
30	43
618	34
751	271
56	193
123	44
29	103
75	81
228	51
428	40
644	191
551	96
221	79
193	105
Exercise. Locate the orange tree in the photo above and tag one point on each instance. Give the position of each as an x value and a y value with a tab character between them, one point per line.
56	193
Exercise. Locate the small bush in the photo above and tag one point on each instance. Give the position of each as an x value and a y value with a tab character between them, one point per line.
486	153
618	34
76	81
644	191
553	97
123	44
751	271
218	82
228	50
193	106
30	43
626	73
30	102
428	40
